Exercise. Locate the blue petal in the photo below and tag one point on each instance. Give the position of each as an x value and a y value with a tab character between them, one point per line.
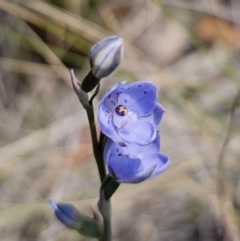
106	125
142	176
107	150
153	146
159	159
130	150
156	116
138	132
111	97
139	97
123	167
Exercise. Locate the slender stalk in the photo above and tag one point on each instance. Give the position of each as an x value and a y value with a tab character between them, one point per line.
102	140
87	105
96	148
104	205
95	94
107	235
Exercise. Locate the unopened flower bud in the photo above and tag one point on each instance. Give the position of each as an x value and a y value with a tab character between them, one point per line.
66	213
106	55
72	218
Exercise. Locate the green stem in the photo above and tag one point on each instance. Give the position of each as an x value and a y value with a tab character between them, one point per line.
107	234
96	148
104	206
87	105
98	154
102	140
95	94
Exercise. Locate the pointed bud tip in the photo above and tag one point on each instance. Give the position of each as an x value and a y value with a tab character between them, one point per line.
53	204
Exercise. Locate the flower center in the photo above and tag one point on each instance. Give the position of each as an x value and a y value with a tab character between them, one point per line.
121	110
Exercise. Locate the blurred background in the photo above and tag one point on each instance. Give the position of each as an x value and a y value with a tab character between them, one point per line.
189	49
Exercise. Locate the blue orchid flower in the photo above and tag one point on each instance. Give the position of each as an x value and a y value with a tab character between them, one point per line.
134	163
129	114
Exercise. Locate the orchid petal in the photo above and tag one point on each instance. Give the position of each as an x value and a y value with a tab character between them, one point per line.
139	97
108	149
138	132
123	167
110	99
140	177
107	127
153	146
156	116
159	159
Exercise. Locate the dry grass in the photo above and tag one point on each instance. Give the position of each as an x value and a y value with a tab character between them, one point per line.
190	49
